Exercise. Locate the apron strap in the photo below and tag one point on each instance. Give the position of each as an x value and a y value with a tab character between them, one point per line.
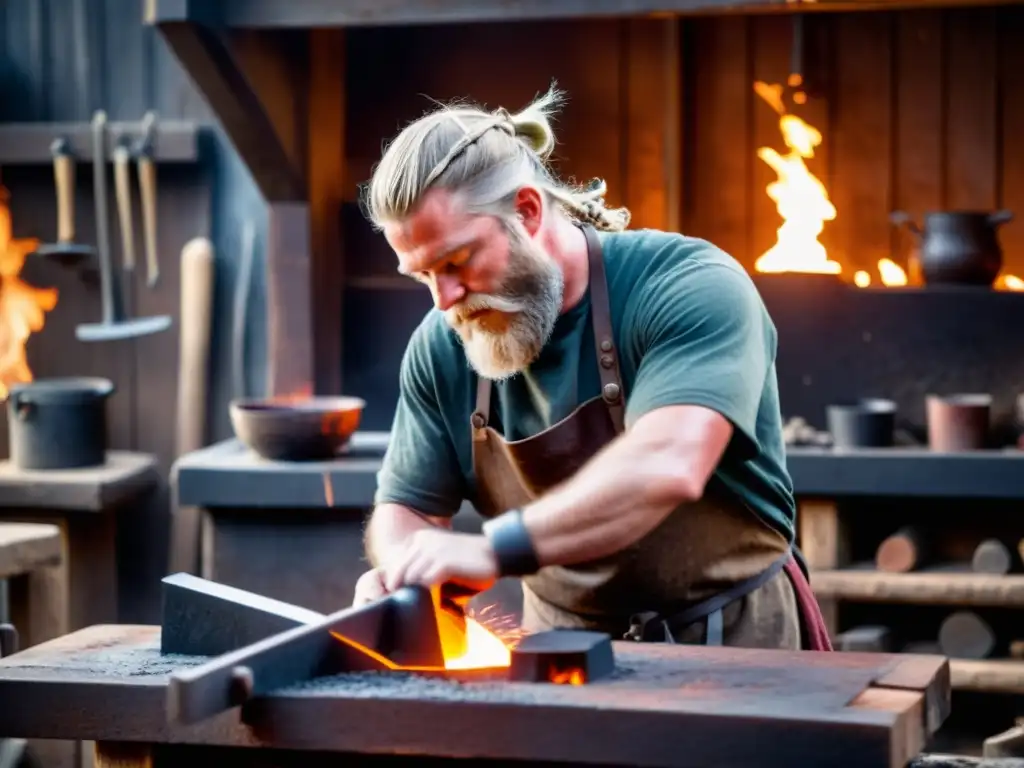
482	411
604	338
647	626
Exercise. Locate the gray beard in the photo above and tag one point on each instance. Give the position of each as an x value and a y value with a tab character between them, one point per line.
531	295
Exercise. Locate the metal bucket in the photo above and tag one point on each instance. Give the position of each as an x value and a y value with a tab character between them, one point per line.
58	423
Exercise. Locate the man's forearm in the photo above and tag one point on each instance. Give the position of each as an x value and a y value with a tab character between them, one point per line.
390	525
626	490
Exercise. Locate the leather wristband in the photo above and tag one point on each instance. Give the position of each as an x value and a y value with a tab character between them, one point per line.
511	543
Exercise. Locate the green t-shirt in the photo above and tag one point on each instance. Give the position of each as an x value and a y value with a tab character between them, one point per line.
690	328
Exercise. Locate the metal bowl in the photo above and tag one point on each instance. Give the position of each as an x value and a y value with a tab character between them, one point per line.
311	429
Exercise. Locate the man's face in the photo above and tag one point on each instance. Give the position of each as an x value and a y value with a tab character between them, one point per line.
497	287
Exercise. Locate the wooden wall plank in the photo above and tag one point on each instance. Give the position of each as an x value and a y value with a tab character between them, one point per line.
1011	156
719	125
392	87
861	141
772	36
971	157
917	183
651	134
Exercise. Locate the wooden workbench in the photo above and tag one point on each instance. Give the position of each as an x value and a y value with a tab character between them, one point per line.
664	706
84	504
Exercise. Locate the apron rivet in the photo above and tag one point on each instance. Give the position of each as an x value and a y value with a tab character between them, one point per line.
478	420
611	392
606	361
606	346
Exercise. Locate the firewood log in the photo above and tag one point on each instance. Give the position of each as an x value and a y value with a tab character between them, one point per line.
904	551
965	635
992	556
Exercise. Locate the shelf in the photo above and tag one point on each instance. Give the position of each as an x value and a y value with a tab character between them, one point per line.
926	588
988	676
174	141
911	472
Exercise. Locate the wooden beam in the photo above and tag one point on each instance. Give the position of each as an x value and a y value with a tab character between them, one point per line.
205	55
326	174
308	14
939	587
289	300
360	13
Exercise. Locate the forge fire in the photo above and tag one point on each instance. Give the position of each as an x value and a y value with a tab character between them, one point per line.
23	307
256	643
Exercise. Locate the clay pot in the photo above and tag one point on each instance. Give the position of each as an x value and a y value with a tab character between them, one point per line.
958	422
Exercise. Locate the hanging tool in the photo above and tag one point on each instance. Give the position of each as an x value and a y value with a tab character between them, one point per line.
147	190
197	281
65	250
114	325
123	194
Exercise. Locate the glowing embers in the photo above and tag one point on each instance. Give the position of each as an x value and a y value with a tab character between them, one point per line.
431	633
562	656
457	646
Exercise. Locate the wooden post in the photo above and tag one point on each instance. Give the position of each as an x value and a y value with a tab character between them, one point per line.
652	137
824	545
122	754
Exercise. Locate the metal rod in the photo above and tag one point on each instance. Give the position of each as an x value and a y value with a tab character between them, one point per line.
113	309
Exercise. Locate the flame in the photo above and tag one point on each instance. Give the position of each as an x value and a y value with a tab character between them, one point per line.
1009	283
800	197
481	649
467	645
572	676
22	306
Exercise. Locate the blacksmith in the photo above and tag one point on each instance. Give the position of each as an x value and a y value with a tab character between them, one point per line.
607	398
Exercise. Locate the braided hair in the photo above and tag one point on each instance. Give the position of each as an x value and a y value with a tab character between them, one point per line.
487	156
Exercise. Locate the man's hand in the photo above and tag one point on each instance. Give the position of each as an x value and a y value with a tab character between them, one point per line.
370	587
431	556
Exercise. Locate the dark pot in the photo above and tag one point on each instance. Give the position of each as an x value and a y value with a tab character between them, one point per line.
58	423
869	423
958	247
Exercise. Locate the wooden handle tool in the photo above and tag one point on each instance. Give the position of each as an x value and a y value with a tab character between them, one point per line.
197	282
123	194
64	180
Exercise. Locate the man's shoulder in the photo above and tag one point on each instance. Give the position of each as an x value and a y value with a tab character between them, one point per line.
650	270
638	256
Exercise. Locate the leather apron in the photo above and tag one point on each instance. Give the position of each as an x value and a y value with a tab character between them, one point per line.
713	572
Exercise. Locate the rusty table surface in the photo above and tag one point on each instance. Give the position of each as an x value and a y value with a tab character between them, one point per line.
664	705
